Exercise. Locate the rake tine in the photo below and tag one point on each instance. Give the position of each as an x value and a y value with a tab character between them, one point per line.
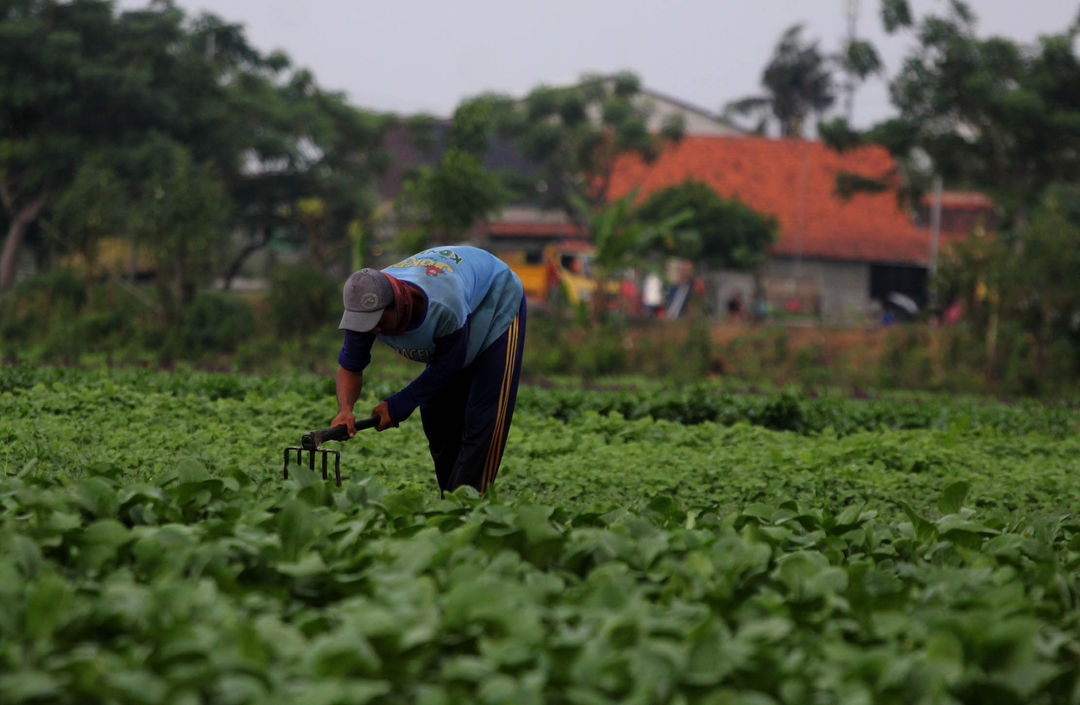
311	443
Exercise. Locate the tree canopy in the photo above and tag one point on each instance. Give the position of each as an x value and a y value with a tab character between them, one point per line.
798	82
576	133
138	95
729	234
984	113
1003	118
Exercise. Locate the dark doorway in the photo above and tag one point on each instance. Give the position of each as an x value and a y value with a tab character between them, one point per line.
898	286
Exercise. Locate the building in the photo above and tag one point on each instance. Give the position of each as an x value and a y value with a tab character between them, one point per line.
843	259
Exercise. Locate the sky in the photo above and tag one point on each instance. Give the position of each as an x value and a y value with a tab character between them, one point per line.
426	56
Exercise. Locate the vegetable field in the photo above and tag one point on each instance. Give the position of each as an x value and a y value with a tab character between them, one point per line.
643	544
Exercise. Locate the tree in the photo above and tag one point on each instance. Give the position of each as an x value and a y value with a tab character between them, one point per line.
798	83
576	134
50	53
621	238
448	198
1041	271
92	207
730	235
982	113
78	81
996	116
180	211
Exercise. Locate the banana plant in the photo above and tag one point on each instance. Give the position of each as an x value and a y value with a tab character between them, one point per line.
623	240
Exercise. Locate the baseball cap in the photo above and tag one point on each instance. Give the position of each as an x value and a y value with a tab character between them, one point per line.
367	293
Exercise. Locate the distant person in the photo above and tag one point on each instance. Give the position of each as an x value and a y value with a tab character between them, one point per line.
652	294
735	307
953	313
630	297
461	312
761	309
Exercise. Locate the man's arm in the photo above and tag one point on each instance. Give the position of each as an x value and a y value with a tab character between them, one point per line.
354	356
349	384
450	352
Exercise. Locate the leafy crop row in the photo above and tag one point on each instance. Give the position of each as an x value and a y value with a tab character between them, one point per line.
197	588
685	404
151	552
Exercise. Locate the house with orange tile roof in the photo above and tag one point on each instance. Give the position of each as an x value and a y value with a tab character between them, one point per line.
838	257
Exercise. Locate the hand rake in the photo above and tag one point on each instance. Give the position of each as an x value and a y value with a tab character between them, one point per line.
312	441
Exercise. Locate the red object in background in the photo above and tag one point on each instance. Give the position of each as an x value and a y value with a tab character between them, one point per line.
953	313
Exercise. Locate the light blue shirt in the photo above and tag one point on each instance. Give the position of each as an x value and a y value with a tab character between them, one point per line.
460	282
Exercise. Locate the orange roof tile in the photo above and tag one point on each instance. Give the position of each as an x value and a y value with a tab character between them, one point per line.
794	180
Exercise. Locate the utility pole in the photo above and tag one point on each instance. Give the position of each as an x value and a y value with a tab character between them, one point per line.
849	89
935	225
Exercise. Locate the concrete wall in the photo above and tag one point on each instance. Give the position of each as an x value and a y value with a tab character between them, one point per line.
838	290
724	284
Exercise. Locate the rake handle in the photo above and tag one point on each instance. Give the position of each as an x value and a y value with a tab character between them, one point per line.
314	439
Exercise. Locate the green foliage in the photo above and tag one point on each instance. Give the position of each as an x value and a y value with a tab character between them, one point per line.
622	238
303	300
576	133
989	113
92	207
861	60
798	82
475	121
1027	285
617	560
729	233
55	316
449	198
181	213
212	323
895	14
151	114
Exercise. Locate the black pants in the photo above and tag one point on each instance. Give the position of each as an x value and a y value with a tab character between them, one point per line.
466	423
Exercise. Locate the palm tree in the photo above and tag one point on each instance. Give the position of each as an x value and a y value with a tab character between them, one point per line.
797	81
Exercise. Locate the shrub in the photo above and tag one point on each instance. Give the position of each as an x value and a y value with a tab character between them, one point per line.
38	303
213	323
303	300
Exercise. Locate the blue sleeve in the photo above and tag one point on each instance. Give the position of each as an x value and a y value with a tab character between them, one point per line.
356	351
450	352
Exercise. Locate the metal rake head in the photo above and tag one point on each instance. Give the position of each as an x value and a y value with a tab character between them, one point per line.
312	452
311	443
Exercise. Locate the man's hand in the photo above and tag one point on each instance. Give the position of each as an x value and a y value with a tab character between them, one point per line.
383	412
347	418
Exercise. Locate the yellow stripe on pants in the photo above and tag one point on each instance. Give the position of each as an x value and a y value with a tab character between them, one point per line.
495	447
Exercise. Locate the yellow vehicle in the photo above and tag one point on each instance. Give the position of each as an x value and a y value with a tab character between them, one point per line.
557	270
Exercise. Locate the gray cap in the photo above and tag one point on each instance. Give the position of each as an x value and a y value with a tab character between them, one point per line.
367	293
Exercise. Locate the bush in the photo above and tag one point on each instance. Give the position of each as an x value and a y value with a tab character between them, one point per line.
38	304
213	323
303	300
